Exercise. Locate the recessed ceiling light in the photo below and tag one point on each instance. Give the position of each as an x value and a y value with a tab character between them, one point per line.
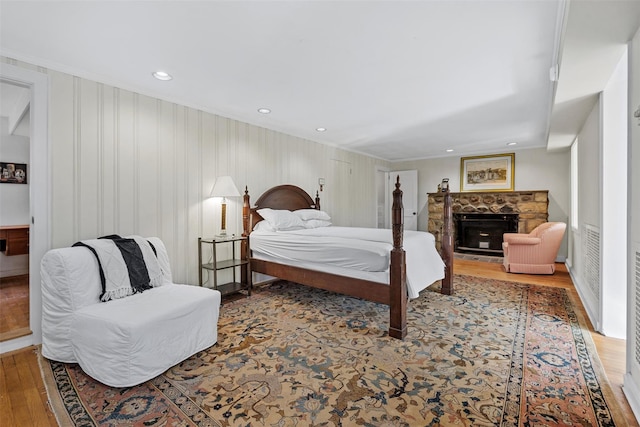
321	129
449	150
161	75
264	110
512	143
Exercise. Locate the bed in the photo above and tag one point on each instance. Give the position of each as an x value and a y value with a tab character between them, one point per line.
358	277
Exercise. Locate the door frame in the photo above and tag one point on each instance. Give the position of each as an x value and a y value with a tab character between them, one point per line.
39	193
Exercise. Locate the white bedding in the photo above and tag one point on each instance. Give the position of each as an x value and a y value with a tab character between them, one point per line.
352	251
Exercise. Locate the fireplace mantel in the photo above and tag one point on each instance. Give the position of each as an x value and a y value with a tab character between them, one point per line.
532	207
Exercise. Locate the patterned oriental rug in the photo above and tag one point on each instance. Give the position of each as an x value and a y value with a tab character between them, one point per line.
495	354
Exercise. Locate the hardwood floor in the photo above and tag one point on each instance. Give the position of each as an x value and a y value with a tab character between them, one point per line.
14	304
23	399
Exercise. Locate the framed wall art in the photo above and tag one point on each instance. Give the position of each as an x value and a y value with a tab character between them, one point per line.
495	172
13	173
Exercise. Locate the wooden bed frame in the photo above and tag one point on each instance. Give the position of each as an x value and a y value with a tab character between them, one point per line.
394	294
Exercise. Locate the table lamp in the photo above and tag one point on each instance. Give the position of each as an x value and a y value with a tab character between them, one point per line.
224	187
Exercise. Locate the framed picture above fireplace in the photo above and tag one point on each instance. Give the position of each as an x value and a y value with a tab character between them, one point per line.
495	172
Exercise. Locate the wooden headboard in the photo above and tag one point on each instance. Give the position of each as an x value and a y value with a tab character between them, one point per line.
285	196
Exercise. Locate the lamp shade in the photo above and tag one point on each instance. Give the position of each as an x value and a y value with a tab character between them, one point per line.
224	187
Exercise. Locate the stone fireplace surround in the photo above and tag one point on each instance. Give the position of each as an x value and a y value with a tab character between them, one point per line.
532	207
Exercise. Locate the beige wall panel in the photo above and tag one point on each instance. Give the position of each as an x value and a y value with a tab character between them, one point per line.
107	161
193	192
146	167
167	211
126	203
220	141
207	164
61	135
86	157
180	175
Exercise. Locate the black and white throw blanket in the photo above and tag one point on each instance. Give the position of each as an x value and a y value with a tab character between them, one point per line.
127	265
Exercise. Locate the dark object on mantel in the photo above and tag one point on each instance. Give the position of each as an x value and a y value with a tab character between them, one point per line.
481	233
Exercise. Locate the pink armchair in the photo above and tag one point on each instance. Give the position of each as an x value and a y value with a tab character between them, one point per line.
533	253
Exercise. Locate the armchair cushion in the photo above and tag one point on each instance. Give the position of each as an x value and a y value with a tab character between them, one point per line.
533	253
520	239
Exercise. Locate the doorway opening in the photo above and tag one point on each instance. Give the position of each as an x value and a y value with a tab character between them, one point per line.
39	201
15	212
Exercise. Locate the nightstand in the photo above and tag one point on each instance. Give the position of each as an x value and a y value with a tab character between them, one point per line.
236	261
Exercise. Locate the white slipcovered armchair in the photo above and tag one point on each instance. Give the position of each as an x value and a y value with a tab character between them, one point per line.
125	341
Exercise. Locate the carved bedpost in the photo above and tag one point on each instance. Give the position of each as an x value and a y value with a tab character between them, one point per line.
398	285
317	201
447	246
245	273
246	212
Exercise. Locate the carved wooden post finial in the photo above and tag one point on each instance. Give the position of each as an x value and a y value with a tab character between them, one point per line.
397	216
246	211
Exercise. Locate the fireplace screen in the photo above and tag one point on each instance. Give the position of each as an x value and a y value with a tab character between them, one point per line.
482	232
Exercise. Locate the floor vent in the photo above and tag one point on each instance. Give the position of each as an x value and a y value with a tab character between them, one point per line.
591	251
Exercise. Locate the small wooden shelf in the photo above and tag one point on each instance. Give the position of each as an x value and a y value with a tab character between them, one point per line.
236	262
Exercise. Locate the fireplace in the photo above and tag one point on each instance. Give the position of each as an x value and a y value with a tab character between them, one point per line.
481	233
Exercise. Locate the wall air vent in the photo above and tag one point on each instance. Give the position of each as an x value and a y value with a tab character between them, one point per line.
591	253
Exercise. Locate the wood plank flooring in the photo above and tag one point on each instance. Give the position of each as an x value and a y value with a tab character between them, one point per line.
14	304
23	397
23	400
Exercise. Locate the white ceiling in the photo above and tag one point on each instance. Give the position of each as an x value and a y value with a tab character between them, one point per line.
392	79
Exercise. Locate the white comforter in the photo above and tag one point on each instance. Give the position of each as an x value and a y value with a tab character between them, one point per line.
354	248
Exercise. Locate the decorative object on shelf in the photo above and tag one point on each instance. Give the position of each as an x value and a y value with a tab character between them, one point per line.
224	187
495	172
444	187
13	173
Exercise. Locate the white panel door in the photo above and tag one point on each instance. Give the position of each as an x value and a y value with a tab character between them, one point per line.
409	187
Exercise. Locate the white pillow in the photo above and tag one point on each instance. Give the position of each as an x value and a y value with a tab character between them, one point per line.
315	223
307	214
263	226
281	219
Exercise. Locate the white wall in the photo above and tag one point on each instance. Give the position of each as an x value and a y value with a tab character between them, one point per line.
14	198
614	204
535	169
632	376
589	212
600	275
126	163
